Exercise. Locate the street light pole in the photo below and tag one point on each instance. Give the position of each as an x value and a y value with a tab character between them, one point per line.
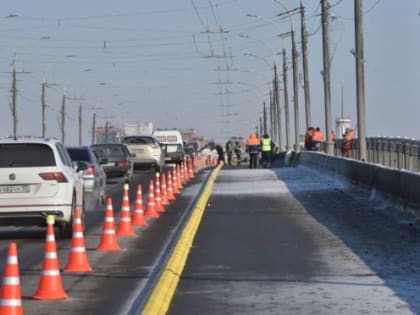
295	92
80	124
326	75
286	101
360	78
276	92
93	127
43	106
295	72
304	38
63	119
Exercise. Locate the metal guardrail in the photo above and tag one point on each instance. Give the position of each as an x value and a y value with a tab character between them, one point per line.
399	153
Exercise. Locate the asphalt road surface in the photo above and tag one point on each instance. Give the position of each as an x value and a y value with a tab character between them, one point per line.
289	241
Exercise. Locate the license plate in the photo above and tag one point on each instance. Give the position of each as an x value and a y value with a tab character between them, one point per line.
8	189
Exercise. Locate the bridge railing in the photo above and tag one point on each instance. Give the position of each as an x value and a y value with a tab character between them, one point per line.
400	153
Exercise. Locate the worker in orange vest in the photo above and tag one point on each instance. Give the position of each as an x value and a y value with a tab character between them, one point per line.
253	147
308	138
348	142
317	139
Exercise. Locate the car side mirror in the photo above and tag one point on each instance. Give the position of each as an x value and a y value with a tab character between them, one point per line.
81	166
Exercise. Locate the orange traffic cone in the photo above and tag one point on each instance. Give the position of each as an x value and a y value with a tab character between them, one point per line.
175	182
184	173
151	207
50	286
164	190
190	168
108	239
138	216
179	176
170	188
158	196
78	260
125	228
11	297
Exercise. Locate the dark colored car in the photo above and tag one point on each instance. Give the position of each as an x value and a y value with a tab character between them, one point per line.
116	160
94	178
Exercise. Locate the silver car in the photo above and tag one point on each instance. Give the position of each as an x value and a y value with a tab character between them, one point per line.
94	177
146	151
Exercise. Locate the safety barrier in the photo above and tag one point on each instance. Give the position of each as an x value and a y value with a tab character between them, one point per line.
400	186
400	153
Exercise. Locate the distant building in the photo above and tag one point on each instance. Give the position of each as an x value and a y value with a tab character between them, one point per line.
341	124
108	134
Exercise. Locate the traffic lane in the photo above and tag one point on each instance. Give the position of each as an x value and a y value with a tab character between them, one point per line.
117	277
259	251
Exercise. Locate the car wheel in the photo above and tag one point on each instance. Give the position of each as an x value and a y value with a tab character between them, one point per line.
66	228
102	199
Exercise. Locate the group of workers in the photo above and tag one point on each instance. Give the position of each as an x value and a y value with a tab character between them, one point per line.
253	147
314	138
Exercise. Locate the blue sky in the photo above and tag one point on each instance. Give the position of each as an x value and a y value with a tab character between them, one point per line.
158	60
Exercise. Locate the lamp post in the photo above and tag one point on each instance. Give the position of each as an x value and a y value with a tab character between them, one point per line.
276	91
274	105
276	98
360	78
326	75
295	75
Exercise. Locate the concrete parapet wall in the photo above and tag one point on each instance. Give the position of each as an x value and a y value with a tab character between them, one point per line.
397	185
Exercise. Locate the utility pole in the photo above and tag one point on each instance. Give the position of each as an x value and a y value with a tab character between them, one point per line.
63	119
14	100
286	101
360	78
264	118
43	106
304	39
273	131
80	124
295	91
276	98
93	127
106	132
326	75
14	97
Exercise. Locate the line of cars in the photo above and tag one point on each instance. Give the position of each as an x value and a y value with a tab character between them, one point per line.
41	177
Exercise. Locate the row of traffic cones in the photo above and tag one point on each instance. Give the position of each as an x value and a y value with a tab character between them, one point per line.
50	285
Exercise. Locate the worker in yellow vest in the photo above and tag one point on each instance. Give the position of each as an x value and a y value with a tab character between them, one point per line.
266	150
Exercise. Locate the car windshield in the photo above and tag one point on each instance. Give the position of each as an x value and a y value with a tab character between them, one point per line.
79	154
138	140
26	155
108	150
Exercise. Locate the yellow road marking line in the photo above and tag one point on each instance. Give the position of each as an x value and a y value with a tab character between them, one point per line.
162	294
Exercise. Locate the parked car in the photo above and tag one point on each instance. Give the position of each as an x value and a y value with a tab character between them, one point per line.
116	160
147	151
37	179
94	178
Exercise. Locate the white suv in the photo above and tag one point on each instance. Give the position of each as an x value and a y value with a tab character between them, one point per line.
38	178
